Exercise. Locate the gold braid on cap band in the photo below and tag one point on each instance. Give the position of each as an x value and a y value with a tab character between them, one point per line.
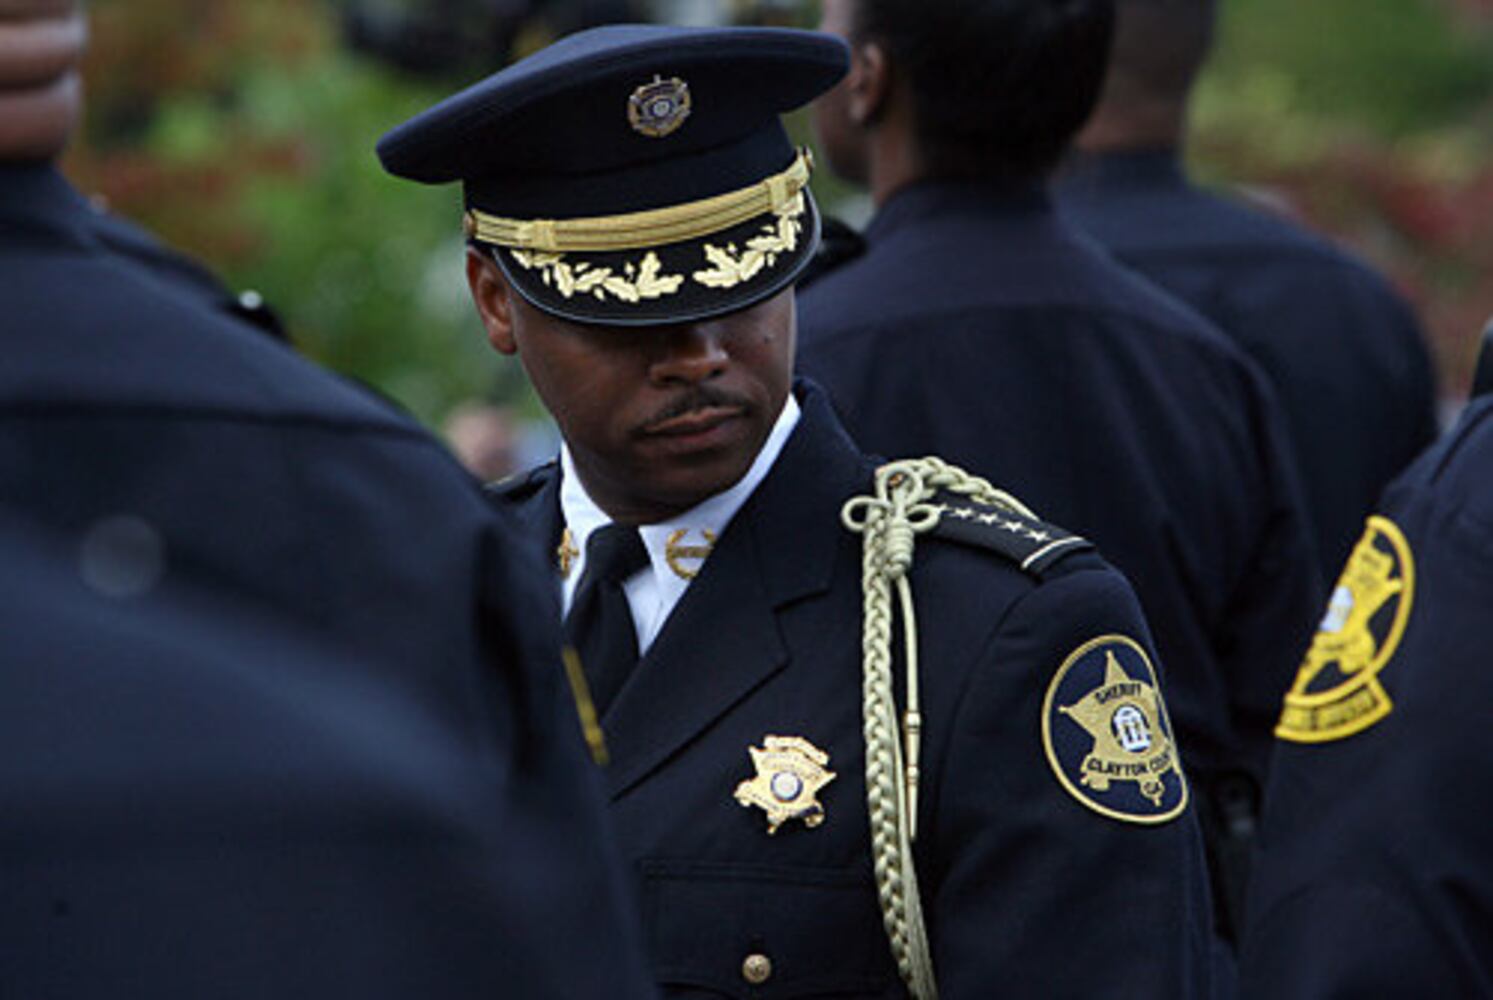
652	228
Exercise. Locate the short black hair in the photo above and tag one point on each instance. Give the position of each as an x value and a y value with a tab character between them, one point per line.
999	87
1160	45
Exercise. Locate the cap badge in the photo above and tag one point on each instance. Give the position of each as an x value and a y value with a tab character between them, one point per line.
657	109
1337	691
678	554
790	772
1107	736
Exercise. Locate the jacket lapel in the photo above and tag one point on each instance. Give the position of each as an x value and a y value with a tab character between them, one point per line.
723	640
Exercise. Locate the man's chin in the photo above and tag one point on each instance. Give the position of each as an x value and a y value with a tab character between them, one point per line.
673	489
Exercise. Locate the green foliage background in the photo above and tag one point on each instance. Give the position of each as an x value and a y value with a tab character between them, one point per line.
244	133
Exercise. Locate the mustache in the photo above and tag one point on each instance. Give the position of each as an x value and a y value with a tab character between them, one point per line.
699	398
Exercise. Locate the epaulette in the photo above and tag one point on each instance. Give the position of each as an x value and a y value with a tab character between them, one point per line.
520	484
1033	545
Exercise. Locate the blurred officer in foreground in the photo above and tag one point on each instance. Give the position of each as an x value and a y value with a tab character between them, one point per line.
979	326
199	802
261	736
1375	877
731	565
1343	352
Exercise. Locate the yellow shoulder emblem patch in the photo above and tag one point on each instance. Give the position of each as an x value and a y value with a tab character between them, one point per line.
1107	735
1337	691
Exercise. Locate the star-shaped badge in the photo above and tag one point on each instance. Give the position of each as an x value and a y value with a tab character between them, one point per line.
1121	717
790	773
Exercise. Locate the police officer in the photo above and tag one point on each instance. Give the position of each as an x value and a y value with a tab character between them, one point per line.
261	737
1376	876
1342	350
872	732
980	326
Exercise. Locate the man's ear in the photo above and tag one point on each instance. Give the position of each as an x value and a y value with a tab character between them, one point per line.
869	83
494	299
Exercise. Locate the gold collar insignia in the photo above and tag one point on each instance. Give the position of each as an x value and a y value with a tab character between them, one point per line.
566	553
676	553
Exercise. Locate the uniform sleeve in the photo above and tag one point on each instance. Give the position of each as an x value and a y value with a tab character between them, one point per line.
1374	875
1274	605
1035	888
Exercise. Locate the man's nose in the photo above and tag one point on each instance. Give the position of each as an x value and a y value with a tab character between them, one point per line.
690	354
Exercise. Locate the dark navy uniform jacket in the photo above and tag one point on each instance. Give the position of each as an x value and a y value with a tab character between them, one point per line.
202	803
1375	877
164	263
1027	891
166	446
295	491
979	327
1342	350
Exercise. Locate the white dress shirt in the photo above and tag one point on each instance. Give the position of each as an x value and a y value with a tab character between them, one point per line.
653	591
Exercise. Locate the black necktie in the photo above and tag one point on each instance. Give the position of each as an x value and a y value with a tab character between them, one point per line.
599	625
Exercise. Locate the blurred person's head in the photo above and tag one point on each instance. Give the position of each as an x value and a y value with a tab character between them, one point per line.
957	90
1159	48
484	439
41	45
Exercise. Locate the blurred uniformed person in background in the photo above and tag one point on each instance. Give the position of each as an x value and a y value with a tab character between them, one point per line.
1375	876
1342	350
282	712
835	768
978	325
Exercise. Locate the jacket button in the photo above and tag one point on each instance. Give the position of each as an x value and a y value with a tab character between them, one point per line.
757	969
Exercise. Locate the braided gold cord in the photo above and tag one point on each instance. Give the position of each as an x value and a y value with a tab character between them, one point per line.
649	228
889	522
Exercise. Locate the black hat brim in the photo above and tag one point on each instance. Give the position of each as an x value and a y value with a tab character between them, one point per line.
683	282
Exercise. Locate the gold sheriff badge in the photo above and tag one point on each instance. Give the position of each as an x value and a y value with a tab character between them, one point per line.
790	773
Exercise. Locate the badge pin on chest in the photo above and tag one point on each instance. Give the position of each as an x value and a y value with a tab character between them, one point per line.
790	773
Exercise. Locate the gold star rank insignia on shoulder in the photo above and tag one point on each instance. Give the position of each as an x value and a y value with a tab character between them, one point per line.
1107	734
790	773
1337	691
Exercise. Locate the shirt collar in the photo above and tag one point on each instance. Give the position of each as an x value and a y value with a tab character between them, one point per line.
914	204
672	565
1158	166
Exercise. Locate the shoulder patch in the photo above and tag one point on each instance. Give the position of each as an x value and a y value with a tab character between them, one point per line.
1031	544
1337	691
1107	734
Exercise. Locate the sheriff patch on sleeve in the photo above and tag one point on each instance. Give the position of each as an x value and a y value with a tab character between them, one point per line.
1337	691
1107	735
